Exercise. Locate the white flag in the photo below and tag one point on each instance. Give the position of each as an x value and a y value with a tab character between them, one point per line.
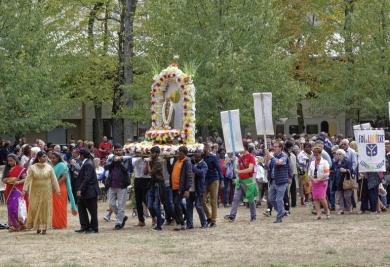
263	113
232	131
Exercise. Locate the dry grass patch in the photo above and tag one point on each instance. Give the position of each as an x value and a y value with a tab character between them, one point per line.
349	240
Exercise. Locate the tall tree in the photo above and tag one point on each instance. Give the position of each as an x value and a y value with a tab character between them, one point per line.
121	99
33	94
235	46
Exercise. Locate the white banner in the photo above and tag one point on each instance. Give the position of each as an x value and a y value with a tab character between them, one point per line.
371	150
263	113
364	126
232	131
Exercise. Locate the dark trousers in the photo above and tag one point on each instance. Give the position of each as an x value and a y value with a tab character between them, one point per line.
387	187
286	200
178	207
293	192
141	187
167	201
197	200
85	206
369	198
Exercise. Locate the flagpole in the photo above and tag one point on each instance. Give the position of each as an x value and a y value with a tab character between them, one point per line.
264	124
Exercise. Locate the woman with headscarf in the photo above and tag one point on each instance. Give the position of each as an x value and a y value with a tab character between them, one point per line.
40	182
14	177
60	203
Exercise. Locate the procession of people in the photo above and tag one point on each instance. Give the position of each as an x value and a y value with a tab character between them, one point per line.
167	189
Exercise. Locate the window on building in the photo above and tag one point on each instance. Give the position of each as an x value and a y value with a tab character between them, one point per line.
312	129
293	129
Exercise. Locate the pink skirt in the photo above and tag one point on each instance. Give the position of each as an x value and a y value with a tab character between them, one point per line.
319	190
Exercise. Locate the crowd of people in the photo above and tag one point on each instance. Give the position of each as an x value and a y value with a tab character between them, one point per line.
41	179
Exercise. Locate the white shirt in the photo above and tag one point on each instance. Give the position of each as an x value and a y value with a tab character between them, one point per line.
139	164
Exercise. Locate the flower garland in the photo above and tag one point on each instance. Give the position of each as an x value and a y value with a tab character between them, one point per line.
160	132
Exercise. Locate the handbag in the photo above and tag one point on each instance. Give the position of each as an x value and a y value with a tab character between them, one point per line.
349	184
22	210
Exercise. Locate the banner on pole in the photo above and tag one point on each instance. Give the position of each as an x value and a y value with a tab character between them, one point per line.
389	111
232	131
263	113
371	150
364	126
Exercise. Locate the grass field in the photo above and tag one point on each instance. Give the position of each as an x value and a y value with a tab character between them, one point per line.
345	240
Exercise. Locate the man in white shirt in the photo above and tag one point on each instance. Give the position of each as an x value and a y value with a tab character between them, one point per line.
141	187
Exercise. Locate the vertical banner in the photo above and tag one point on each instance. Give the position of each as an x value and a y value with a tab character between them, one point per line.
371	150
232	131
263	113
389	111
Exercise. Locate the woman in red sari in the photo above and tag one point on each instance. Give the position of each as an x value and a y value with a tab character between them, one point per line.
13	177
60	203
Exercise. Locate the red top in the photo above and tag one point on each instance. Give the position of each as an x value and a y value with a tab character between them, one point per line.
18	172
222	166
105	146
244	162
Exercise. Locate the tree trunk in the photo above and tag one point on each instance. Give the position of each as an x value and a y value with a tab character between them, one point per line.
117	101
122	100
98	126
348	47
301	120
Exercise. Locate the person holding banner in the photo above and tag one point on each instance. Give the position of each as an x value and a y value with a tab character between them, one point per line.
245	185
279	168
369	193
387	173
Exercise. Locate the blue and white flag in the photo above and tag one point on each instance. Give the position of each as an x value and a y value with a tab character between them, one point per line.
371	150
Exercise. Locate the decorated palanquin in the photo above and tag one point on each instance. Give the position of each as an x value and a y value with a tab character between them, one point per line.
172	114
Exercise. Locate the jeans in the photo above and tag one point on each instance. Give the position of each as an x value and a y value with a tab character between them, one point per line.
331	195
197	199
211	189
238	193
117	201
167	200
177	202
154	204
228	183
276	194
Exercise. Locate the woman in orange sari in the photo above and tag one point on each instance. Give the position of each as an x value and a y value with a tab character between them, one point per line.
13	177
60	203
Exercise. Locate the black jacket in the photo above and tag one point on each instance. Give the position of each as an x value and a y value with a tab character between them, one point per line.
125	167
87	181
